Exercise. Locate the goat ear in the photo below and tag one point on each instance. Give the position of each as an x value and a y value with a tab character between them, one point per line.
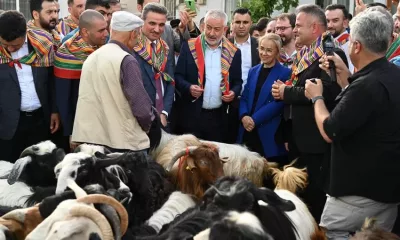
17	169
270	197
190	163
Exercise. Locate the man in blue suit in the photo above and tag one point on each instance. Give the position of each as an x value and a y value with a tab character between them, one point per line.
208	78
155	63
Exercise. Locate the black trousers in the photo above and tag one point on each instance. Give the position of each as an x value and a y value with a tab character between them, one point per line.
313	196
32	129
211	125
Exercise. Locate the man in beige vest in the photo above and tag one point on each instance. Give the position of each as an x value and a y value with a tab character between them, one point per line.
113	107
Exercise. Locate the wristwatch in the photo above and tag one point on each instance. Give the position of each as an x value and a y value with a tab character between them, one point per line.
314	99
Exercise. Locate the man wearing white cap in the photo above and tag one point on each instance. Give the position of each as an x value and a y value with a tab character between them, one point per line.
113	108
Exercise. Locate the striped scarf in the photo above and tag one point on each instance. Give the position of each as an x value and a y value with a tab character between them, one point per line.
306	57
43	49
70	56
197	47
158	59
394	49
53	33
66	25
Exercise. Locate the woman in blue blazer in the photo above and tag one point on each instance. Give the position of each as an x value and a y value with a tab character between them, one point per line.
260	114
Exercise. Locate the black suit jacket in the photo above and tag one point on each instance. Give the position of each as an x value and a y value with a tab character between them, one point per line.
186	74
305	133
255	57
10	97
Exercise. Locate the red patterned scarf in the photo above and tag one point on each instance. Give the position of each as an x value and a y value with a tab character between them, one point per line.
197	47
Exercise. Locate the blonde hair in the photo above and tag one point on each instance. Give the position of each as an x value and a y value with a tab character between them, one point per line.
274	38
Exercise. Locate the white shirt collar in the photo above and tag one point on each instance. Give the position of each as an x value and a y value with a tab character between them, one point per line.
247	41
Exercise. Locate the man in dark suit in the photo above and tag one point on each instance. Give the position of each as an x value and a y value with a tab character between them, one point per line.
209	77
305	142
155	62
27	100
241	23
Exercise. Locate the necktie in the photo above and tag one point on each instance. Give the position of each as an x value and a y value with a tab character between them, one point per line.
159	96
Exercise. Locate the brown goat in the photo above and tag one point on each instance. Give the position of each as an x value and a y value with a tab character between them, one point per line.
198	168
22	224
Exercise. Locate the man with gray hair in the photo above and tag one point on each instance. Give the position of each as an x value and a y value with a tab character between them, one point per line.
209	77
156	64
364	131
112	91
302	135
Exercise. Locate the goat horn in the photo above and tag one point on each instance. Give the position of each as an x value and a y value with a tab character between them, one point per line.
17	169
96	217
112	217
28	151
100	163
179	155
100	198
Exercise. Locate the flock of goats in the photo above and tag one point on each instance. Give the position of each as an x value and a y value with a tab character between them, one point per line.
185	188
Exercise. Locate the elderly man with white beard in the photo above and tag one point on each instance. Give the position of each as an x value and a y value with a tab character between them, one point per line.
363	130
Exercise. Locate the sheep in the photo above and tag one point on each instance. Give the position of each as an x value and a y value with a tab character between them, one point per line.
244	226
33	169
197	168
239	160
370	231
61	224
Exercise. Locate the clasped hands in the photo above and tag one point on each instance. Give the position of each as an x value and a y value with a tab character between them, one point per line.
196	92
278	89
248	123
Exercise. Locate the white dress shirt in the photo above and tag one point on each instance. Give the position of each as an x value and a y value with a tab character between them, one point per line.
212	91
245	49
29	98
345	48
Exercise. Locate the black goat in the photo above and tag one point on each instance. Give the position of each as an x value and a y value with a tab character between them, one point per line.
233	193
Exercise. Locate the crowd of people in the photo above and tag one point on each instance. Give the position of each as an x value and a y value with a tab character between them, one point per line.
108	77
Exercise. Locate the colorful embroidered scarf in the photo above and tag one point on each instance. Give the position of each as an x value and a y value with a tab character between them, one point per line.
43	49
66	25
53	33
197	47
70	56
394	49
158	59
306	57
285	59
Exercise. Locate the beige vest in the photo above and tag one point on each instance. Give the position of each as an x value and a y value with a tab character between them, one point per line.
103	114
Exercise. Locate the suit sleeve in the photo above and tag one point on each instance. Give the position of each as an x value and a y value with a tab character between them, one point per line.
170	89
52	91
243	110
272	109
181	72
235	74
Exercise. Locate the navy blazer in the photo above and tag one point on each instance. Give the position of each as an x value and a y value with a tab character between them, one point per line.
10	97
267	112
150	84
186	74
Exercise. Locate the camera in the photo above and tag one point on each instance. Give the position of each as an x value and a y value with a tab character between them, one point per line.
329	47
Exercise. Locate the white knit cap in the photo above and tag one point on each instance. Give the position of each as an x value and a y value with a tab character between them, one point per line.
125	21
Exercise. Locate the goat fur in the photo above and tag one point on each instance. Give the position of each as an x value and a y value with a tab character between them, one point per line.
176	204
14	195
241	162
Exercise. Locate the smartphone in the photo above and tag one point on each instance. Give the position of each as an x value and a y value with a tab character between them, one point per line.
191	4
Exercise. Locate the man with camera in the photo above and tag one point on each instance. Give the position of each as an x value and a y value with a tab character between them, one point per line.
363	130
299	127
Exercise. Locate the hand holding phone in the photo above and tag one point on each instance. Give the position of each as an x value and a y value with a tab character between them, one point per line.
191	4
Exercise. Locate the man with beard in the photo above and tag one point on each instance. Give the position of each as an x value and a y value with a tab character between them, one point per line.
209	77
68	63
155	62
241	23
336	16
305	141
284	28
45	18
69	23
27	100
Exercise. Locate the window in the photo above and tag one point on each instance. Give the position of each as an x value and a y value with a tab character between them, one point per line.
12	5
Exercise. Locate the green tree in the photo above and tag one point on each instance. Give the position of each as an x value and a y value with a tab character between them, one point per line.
264	8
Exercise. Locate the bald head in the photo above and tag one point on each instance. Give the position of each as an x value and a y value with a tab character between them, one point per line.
89	17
